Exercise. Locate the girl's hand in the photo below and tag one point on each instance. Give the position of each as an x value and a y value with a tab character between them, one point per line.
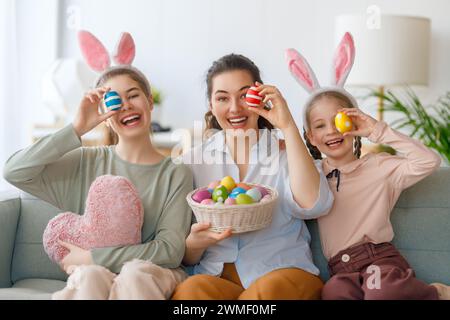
77	256
363	124
88	116
201	238
279	115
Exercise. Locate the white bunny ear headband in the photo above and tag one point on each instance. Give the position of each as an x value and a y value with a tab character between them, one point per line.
96	55
342	64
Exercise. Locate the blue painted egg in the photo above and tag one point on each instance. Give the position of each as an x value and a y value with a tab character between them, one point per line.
236	192
112	101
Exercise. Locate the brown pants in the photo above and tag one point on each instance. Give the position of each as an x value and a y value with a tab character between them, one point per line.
374	272
286	284
138	279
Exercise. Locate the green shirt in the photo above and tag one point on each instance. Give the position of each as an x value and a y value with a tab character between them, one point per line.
58	170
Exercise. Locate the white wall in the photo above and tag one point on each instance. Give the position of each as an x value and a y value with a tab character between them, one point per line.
36	41
178	39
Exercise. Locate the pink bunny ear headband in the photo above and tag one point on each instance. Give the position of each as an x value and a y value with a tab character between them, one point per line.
342	64
96	55
98	59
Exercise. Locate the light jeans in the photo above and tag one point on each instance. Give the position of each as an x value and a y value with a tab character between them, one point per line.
138	280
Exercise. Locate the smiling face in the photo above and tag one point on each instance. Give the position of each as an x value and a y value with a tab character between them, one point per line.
227	101
323	133
133	119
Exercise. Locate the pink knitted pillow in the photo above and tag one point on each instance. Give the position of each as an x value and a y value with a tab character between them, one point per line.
113	217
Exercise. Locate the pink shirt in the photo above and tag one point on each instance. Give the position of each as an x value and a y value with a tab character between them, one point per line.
369	188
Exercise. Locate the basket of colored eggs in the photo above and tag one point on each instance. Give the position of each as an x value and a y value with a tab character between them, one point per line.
226	204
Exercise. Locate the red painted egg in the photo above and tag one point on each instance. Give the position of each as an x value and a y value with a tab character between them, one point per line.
253	98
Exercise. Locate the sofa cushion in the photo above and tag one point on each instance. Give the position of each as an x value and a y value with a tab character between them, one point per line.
316	249
32	289
9	216
421	221
30	259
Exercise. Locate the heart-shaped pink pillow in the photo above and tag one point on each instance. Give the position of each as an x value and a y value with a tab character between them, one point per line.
113	216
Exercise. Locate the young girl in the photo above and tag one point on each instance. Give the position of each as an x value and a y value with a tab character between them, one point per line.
59	170
356	234
275	262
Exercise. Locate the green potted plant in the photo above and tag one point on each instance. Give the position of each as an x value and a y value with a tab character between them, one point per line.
157	110
157	96
431	124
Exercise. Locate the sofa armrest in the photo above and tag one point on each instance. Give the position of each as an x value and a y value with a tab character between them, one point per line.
9	217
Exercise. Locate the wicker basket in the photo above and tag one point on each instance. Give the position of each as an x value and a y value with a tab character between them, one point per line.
241	218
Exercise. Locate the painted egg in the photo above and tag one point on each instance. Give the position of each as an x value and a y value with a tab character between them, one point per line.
243	186
255	194
253	98
343	122
208	202
263	191
244	199
230	201
220	194
112	101
229	183
236	191
214	184
201	195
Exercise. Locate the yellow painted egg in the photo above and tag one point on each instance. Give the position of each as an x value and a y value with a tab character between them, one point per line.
228	182
244	199
343	122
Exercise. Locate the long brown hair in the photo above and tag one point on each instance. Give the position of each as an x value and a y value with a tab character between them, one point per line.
231	62
347	103
111	137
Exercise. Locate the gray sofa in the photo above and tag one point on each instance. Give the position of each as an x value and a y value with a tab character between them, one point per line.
421	222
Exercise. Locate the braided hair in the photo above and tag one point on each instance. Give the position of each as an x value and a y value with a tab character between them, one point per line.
315	153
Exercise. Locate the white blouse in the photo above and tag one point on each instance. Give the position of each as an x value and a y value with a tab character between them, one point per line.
285	242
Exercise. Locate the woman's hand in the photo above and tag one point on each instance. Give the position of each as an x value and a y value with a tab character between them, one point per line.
363	124
279	116
88	116
201	238
77	256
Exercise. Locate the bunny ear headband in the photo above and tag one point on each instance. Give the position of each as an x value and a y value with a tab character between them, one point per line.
342	64
96	55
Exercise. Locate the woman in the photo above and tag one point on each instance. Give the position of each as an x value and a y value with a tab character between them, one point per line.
59	170
275	262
